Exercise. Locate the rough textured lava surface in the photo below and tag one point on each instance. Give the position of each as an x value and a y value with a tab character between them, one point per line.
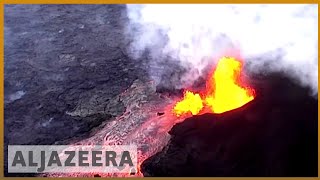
69	80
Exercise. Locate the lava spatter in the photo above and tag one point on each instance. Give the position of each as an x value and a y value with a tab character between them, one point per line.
223	91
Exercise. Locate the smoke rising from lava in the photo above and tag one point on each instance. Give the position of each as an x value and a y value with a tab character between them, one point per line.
270	37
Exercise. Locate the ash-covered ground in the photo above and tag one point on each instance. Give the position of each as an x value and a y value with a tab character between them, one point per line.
70	80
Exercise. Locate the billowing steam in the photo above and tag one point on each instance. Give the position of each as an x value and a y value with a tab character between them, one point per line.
269	37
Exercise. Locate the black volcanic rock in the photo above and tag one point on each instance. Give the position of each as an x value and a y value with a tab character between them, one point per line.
273	135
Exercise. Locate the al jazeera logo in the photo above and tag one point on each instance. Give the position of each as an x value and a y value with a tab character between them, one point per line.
47	158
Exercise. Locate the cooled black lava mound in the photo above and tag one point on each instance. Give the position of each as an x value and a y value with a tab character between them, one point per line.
273	135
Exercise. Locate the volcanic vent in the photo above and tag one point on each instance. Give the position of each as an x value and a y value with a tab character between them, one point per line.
266	129
223	92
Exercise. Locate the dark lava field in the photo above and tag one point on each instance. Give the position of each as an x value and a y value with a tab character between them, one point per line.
58	57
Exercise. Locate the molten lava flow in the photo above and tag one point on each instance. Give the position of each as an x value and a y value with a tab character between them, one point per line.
223	91
227	94
190	103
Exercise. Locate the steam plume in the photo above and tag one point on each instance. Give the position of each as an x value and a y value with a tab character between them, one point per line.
283	36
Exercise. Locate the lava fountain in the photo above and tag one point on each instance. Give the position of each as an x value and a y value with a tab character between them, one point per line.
223	92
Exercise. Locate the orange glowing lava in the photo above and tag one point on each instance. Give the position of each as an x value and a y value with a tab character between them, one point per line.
190	103
223	92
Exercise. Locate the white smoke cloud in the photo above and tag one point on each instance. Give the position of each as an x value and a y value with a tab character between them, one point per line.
196	34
